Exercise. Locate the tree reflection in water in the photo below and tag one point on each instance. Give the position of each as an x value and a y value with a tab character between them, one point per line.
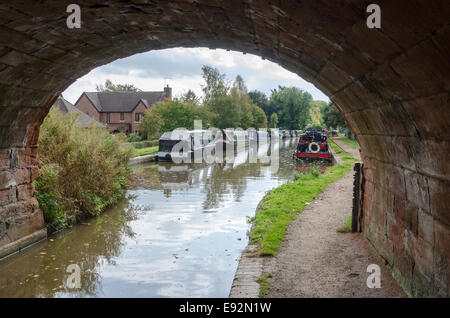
42	269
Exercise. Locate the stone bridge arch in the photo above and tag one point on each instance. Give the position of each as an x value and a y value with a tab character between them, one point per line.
392	85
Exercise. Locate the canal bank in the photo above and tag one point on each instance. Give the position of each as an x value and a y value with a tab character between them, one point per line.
311	259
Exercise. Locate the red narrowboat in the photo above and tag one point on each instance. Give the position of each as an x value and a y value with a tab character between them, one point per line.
313	145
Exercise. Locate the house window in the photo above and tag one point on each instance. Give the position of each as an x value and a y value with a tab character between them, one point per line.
138	117
108	119
122	116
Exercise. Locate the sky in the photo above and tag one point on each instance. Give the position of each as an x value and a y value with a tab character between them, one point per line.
180	68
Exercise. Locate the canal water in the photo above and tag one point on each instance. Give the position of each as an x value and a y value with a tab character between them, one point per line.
179	233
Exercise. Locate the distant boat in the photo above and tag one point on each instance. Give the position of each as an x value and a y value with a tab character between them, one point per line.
187	148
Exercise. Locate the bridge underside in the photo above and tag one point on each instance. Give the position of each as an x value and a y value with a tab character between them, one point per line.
392	85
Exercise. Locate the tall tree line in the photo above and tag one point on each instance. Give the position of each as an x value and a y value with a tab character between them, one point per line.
287	107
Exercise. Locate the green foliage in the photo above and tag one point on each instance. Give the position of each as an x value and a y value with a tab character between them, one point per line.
279	207
171	114
264	286
133	137
259	117
273	121
225	110
349	134
216	83
145	151
151	123
351	142
144	144
189	97
110	87
292	106
233	109
315	170
347	227
81	170
315	112
332	117
260	99
49	199
317	127
175	114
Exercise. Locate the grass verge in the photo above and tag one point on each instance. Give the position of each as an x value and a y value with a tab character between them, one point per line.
264	286
279	207
347	227
145	151
351	142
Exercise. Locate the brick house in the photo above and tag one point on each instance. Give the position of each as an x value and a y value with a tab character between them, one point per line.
120	111
84	120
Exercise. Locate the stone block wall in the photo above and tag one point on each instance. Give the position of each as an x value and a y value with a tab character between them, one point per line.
392	85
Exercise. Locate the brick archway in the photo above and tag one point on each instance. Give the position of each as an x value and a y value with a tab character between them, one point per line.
392	84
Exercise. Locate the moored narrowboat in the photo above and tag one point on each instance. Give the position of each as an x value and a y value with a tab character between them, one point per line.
313	145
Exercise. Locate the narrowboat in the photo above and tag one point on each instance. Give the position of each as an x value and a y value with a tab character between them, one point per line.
313	145
186	150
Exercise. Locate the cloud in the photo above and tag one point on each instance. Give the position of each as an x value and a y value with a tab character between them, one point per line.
181	69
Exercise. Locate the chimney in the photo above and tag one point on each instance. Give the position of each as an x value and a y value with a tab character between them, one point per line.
168	92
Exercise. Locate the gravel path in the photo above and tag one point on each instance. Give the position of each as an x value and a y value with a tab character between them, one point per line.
315	260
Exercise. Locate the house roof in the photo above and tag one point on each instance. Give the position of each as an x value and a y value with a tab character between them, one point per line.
65	106
123	101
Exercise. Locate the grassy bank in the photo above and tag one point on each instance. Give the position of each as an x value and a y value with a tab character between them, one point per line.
278	208
145	151
351	142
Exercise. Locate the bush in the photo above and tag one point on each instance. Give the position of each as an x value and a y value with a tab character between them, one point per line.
134	137
349	134
297	176
144	144
82	171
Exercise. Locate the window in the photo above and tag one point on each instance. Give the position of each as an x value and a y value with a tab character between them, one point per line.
108	119
122	116
138	117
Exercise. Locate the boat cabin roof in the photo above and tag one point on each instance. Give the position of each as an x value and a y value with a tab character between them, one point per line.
180	134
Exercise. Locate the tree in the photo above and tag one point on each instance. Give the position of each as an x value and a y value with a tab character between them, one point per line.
260	99
316	113
226	110
273	121
239	87
150	126
110	87
216	83
175	114
332	117
189	97
292	105
259	117
239	93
